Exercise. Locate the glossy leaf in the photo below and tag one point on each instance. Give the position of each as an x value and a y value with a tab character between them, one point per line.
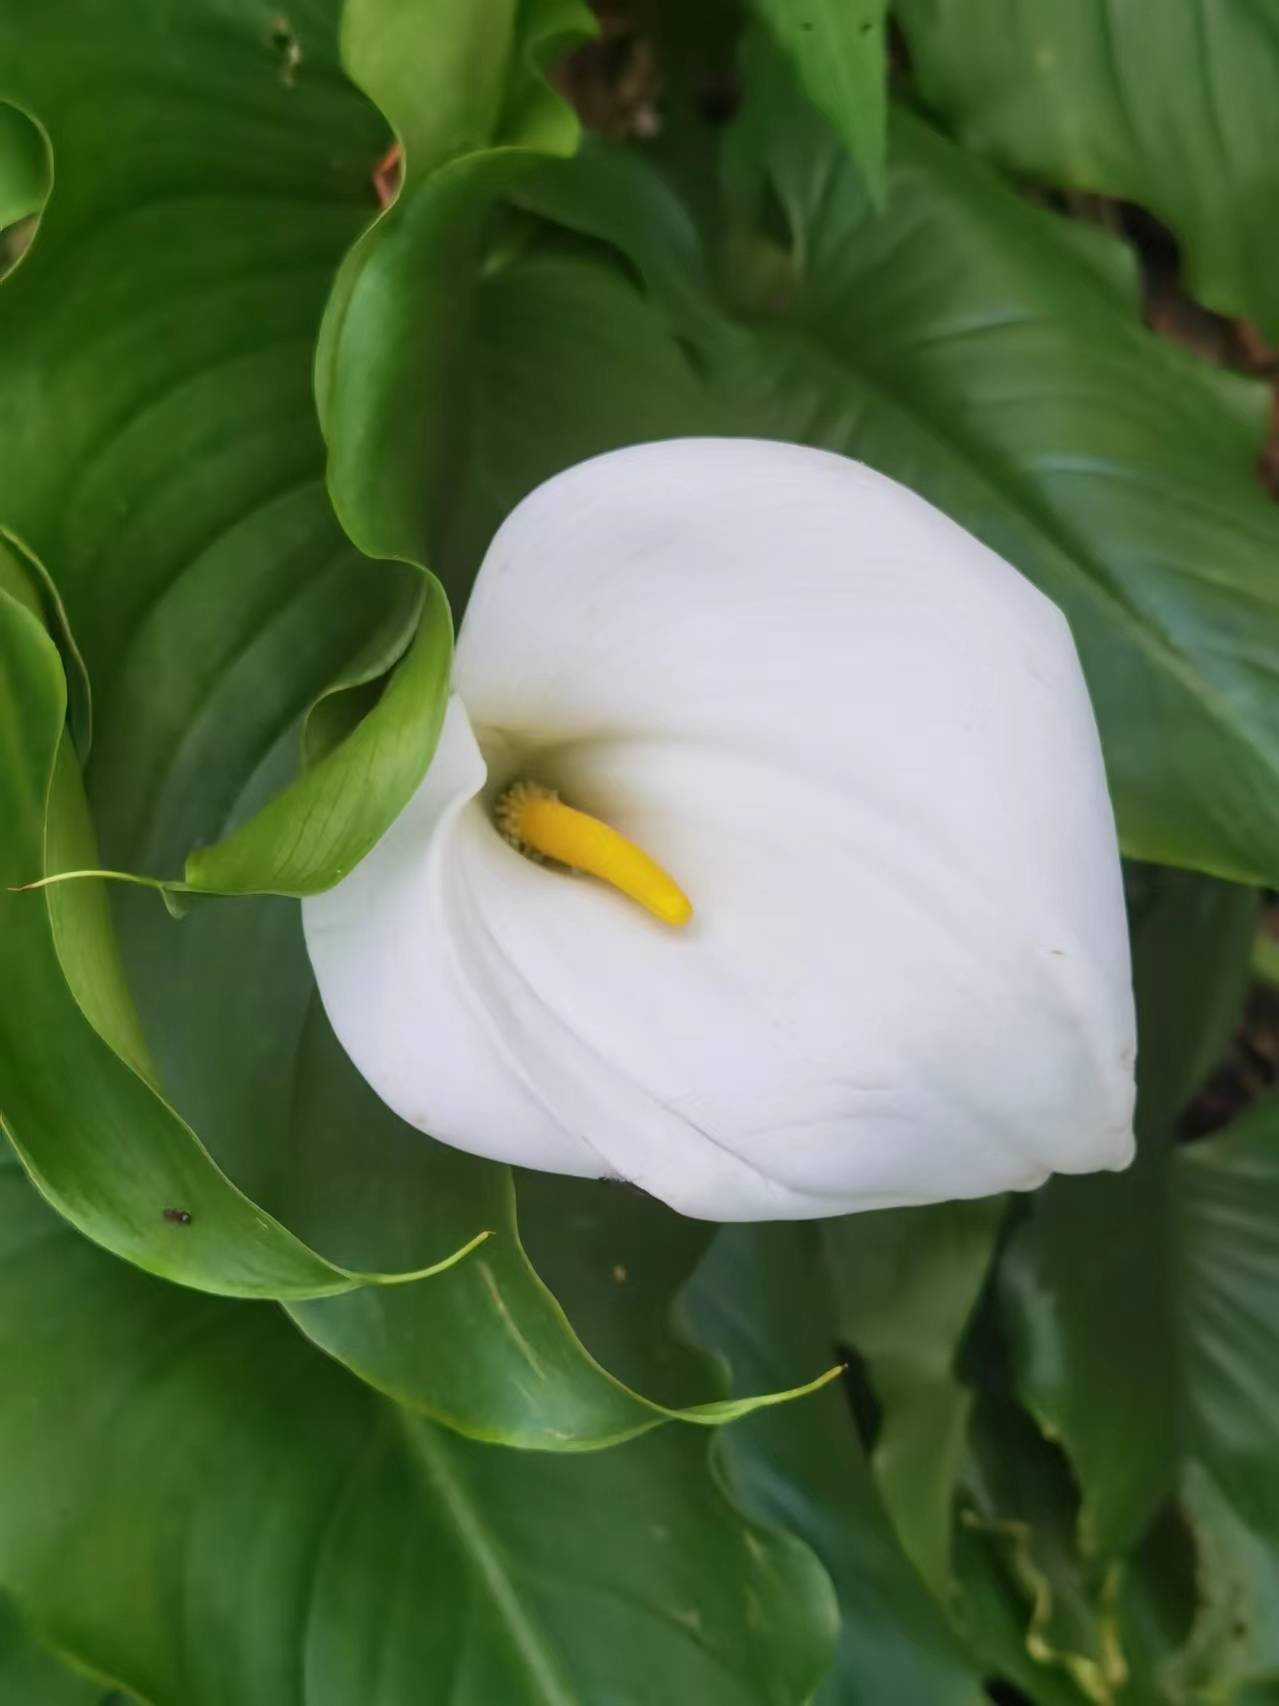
547	326
225	1518
160	442
1101	1354
1177	118
905	1282
161	448
76	1081
492	1354
976	348
840	57
308	837
1163	1346
1192	951
32	1676
388	374
761	1299
391	368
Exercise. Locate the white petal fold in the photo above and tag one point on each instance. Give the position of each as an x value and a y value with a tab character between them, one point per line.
862	745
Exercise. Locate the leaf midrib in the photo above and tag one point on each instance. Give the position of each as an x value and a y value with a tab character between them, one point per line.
485	1553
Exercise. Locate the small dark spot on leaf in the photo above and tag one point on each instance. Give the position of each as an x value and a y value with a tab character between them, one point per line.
1003	1693
718	98
178	1216
287	48
866	28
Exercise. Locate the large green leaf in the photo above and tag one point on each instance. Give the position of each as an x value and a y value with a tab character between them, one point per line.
493	1354
473	114
1172	109
1163	1346
1192	946
160	442
1200	1406
548	325
905	1283
981	351
76	1081
838	51
216	1515
32	1676
309	836
1102	1352
762	1300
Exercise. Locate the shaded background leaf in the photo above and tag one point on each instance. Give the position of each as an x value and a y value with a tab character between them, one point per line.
838	52
762	1300
1120	1354
905	1282
31	1676
1173	110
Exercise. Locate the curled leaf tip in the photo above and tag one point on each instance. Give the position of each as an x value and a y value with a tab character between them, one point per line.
434	1268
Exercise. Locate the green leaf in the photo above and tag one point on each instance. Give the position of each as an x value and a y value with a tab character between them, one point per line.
24	578
761	1299
76	1082
839	54
308	837
492	1353
161	451
32	1676
223	1517
1097	1341
1163	1346
905	1283
1101	1362
546	327
1176	117
1025	1597
473	81
24	167
159	435
966	343
1192	940
392	357
1156	1603
1234	1639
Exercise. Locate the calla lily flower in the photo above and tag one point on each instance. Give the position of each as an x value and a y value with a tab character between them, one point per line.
766	860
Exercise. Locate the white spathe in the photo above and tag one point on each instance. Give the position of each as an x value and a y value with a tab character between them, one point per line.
862	744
